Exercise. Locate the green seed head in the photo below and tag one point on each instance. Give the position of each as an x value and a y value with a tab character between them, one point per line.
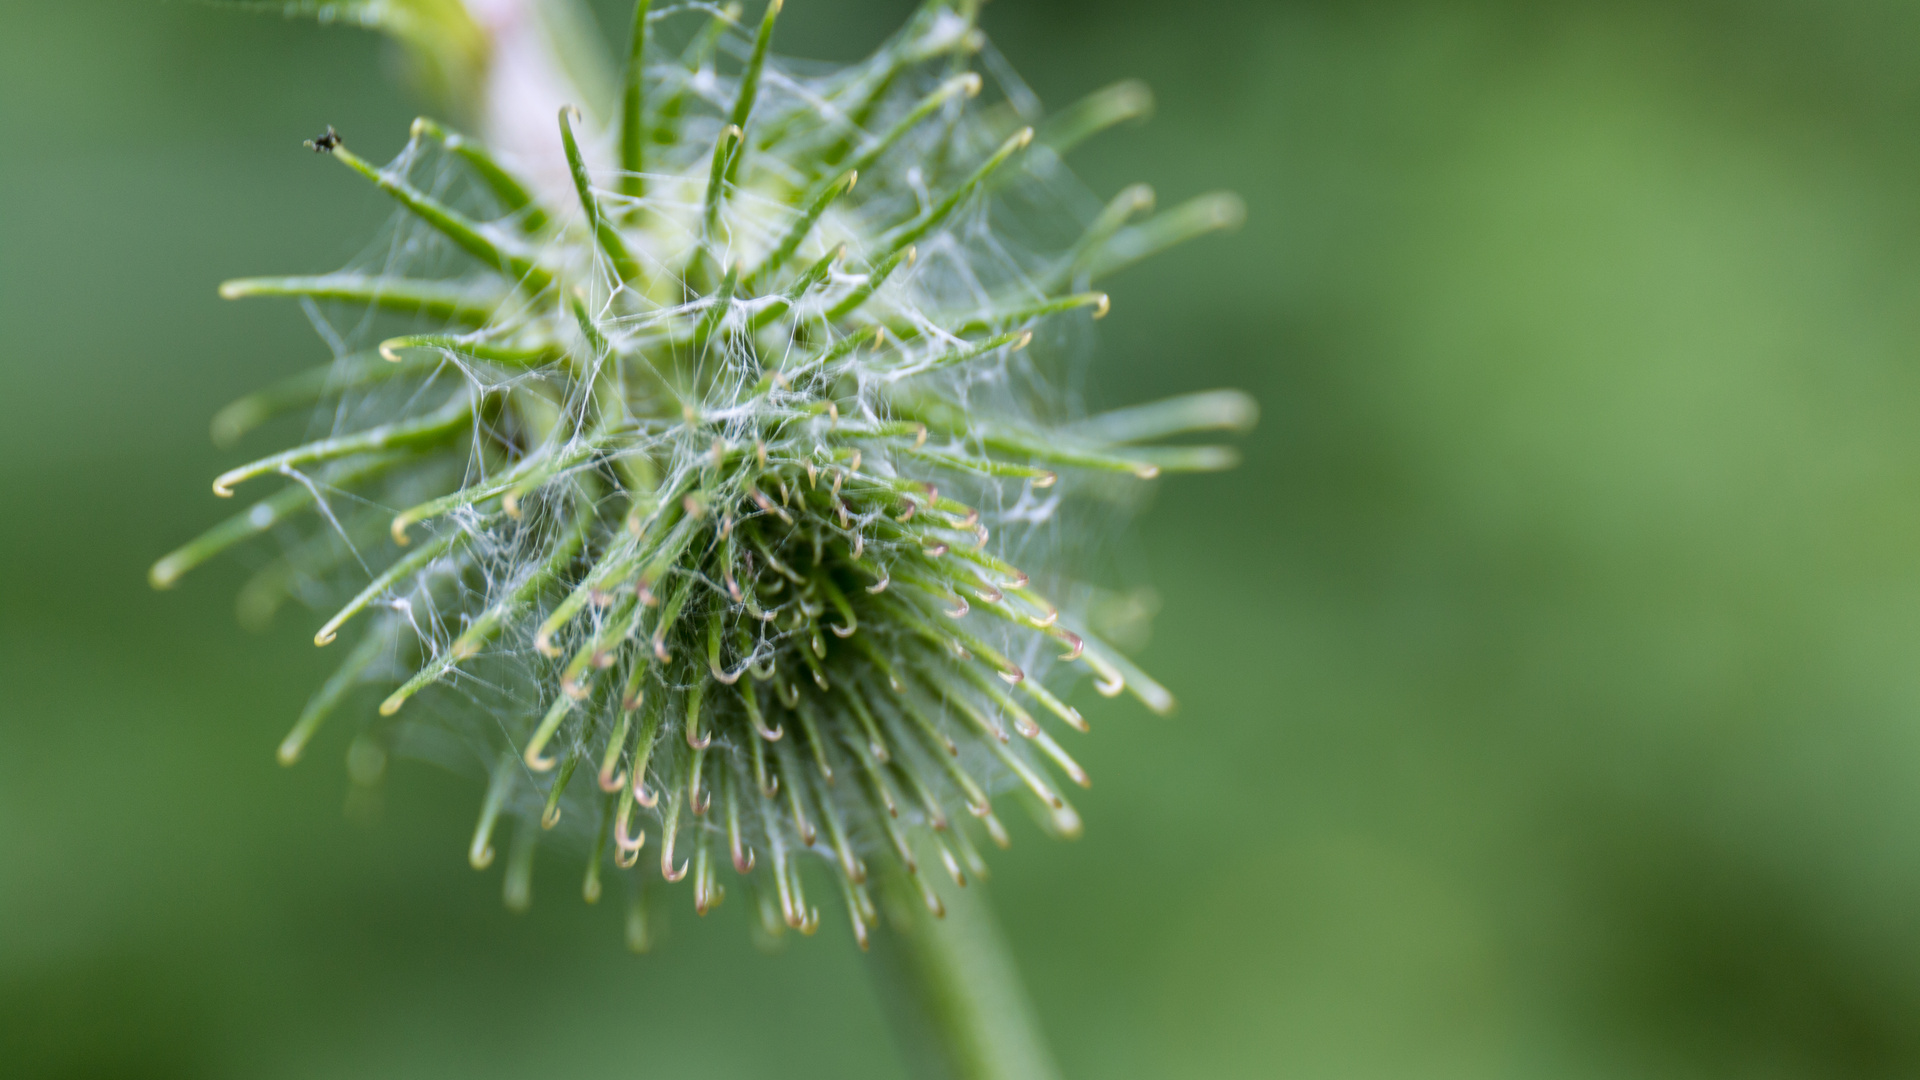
725	493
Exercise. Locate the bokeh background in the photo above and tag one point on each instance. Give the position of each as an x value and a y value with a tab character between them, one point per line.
1549	682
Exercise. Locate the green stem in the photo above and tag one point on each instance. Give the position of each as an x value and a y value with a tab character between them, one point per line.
950	988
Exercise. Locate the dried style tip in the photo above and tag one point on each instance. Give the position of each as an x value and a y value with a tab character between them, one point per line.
663	467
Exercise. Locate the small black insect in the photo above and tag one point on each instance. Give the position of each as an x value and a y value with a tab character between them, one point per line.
325	143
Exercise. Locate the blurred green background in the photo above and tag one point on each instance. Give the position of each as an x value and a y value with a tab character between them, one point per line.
1550	704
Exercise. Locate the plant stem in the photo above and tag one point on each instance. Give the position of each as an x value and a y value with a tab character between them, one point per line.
950	989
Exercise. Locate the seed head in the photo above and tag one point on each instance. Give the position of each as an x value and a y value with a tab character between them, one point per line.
736	469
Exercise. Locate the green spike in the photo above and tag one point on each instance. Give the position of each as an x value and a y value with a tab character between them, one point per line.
506	187
1052	450
633	135
887	809
669	615
943	746
516	886
716	183
981	466
967	84
1023	721
854	895
1196	217
1212	410
976	796
939	212
1035	781
796	791
837	836
696	735
550	814
1188	458
750	82
271	586
615	563
643	744
870	82
352	372
1037	309
1132	200
669	833
1014	339
544	461
464	345
810	725
707	891
792	903
635	691
535	752
875	278
401	568
1061	759
1137	682
695	56
762	778
474	306
670	548
455	226
1098	111
639	925
876	741
420	431
598	652
335	689
625	268
812	661
425	677
717	308
929	802
805	283
482	629
802	225
610	777
590	888
700	50
260	517
840	350
480	851
952	634
849	625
